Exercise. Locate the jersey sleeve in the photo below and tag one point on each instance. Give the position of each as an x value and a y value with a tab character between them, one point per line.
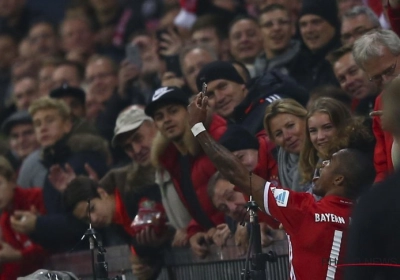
286	206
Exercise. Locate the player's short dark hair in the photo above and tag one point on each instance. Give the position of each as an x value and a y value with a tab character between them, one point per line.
220	24
79	189
358	171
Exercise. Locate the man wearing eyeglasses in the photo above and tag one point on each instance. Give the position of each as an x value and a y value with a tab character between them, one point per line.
356	22
277	30
377	53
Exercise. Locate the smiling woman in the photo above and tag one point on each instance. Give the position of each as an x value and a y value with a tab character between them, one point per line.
329	128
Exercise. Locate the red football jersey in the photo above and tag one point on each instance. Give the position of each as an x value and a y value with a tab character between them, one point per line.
316	231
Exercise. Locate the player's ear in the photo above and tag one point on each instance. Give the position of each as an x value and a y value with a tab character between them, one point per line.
339	180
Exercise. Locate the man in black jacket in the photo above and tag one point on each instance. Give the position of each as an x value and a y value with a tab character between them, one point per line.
231	98
374	246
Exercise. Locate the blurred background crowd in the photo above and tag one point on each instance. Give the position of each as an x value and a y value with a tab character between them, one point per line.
93	107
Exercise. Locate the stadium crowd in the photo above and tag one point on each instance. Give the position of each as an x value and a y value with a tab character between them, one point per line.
121	112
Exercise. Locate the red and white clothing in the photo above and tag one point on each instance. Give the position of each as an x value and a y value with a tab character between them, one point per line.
33	255
316	231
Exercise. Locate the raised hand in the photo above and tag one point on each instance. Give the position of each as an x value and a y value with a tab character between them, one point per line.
60	178
198	109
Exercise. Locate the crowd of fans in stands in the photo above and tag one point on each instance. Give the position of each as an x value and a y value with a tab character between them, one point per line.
95	123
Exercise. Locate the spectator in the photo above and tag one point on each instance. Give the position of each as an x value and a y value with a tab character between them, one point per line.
25	92
277	30
293	7
356	22
284	122
230	98
112	206
211	30
68	72
19	254
43	40
340	182
45	76
77	36
346	5
22	140
320	31
174	150
377	53
114	23
16	17
80	152
8	54
74	98
245	41
192	59
353	81
376	245
330	128
233	204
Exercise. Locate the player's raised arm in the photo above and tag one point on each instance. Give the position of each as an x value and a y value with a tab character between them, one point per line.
229	166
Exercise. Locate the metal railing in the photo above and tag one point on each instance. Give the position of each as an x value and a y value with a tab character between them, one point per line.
180	263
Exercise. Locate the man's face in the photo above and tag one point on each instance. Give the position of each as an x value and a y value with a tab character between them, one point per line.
245	40
43	40
383	69
77	36
287	132
277	30
6	192
102	210
352	79
248	158
137	145
354	28
11	8
229	201
345	5
66	74
25	92
208	37
50	126
46	80
224	96
327	176
102	79
8	51
192	63
22	140
77	108
315	31
171	121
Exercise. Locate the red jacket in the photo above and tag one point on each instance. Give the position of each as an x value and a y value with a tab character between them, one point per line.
383	147
33	255
201	171
394	18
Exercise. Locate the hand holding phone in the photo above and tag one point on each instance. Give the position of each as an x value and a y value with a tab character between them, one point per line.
133	55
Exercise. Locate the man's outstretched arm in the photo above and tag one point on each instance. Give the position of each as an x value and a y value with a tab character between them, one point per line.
228	164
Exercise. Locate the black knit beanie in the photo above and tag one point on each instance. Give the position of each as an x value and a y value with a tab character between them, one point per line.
218	70
237	138
327	9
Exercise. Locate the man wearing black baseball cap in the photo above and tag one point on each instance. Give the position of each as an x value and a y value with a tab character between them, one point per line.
74	97
176	150
231	98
